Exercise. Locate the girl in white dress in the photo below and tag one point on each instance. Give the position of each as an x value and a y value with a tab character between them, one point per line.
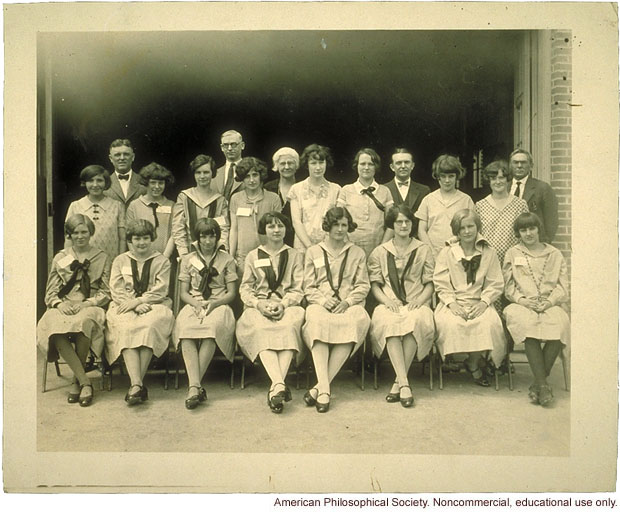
468	278
208	284
537	285
139	320
272	293
77	290
401	277
336	285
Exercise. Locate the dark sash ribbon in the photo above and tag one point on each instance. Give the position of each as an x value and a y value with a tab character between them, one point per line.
141	283
398	285
193	215
274	283
471	267
207	274
153	206
369	192
335	289
77	268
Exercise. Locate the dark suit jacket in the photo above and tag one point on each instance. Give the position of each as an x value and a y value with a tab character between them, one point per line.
134	191
218	182
541	200
416	193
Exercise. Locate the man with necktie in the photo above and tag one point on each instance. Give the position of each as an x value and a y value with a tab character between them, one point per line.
125	184
232	146
402	187
539	195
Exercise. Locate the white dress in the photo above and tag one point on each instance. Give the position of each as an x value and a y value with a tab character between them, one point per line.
454	334
419	322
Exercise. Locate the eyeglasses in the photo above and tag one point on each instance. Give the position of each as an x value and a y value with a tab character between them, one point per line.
231	145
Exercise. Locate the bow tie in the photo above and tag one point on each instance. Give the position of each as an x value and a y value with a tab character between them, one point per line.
123	176
471	267
403	183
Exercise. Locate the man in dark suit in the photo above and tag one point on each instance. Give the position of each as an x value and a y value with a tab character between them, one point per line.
125	185
402	187
232	146
539	195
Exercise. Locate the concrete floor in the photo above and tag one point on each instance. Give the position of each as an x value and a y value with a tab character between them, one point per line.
460	419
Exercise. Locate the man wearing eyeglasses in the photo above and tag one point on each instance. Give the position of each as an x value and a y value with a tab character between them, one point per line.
125	184
232	146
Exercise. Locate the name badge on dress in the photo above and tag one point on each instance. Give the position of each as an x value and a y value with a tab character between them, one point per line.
196	263
520	261
319	262
66	261
221	221
264	262
244	212
164	209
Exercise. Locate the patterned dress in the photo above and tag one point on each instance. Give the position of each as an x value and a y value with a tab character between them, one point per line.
312	208
453	284
412	270
220	323
533	276
279	277
366	213
89	320
160	217
438	212
348	280
131	330
497	223
108	216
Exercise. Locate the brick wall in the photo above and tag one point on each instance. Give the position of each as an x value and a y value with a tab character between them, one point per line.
561	135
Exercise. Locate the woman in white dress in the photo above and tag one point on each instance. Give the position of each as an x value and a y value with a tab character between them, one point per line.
312	197
336	285
537	286
468	278
401	278
139	320
271	291
208	284
76	292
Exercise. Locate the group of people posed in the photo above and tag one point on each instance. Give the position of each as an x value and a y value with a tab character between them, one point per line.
284	267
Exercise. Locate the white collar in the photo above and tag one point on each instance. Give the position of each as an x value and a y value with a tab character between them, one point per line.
359	187
523	181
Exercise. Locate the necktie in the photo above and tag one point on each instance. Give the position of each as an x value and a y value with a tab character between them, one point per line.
518	189
229	181
123	176
76	267
141	282
154	206
471	267
402	183
369	192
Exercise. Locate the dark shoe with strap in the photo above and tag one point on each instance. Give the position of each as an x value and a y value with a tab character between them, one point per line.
408	401
545	395
309	399
392	398
478	376
85	401
275	402
203	395
193	401
137	397
322	406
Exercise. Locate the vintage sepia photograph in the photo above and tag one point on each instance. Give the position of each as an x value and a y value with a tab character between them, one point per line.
363	239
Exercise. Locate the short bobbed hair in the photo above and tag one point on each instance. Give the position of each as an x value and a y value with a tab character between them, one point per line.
76	220
316	152
492	170
392	214
201	160
448	164
525	152
117	143
249	164
528	220
269	217
90	171
207	226
460	216
140	227
333	215
376	159
155	171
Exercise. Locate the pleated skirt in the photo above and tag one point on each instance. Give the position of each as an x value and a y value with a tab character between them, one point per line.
348	327
219	325
386	324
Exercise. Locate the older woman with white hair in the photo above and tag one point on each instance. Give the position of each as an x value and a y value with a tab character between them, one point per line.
285	163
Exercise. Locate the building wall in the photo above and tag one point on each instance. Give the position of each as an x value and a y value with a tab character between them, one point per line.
561	135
